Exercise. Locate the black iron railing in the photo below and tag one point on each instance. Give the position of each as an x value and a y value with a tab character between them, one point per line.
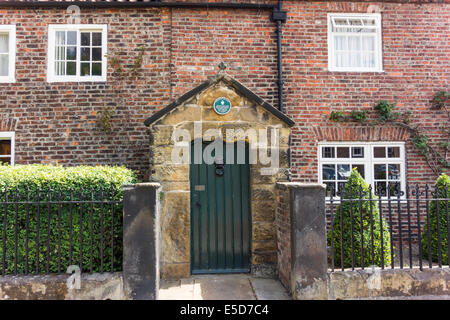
397	229
46	231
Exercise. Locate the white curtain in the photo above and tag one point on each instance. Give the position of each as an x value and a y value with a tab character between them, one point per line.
354	51
60	54
4	54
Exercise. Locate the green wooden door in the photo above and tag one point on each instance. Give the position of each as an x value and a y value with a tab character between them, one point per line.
220	215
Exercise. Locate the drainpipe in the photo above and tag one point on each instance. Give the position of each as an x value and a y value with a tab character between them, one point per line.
279	16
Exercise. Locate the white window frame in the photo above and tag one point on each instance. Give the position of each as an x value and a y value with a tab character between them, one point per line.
9	135
11	30
368	160
378	42
52	28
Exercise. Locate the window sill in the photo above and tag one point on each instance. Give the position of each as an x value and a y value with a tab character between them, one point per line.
356	71
7	80
75	80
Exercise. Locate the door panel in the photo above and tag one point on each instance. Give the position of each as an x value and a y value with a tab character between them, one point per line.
220	216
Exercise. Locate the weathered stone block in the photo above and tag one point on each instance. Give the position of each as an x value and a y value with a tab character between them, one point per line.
171	172
208	97
265	257
181	114
264	246
263	231
263	193
175	226
175	271
162	135
249	114
263	211
208	114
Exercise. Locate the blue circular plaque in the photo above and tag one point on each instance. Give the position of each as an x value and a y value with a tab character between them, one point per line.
222	106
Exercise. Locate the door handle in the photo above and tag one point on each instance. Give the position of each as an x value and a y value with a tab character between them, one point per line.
198	204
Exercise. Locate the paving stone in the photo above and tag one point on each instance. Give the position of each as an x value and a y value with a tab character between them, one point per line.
269	289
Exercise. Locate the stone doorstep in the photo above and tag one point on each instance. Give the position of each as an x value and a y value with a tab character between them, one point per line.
223	287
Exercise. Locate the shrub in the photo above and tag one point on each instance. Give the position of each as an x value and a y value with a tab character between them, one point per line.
352	190
442	187
56	183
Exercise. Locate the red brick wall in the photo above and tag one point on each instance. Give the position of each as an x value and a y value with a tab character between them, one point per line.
56	123
416	63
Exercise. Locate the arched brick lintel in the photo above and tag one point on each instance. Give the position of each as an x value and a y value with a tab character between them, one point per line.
385	133
8	124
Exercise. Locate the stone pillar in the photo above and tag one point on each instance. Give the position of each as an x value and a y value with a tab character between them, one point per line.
302	208
309	241
141	237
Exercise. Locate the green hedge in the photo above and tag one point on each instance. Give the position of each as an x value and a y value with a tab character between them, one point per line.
352	188
57	183
443	186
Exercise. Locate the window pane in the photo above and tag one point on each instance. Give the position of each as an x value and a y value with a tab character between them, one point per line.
369	22
379	152
4	65
71	68
355	60
340	21
368	43
96	38
85	38
71	37
5	160
354	43
394	172
343	171
60	53
343	152
331	189
85	54
85	69
380	171
328	172
328	152
380	188
340	43
358	152
60	68
4	42
96	54
5	147
394	188
355	22
342	59
368	60
341	186
60	38
360	169
393	152
96	69
71	53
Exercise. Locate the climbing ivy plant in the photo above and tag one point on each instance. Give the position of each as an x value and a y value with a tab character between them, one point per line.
436	156
121	73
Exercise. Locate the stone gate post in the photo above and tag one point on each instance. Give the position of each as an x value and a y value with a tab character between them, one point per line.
141	238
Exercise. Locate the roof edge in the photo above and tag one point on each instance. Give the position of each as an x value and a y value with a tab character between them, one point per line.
134	4
234	83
